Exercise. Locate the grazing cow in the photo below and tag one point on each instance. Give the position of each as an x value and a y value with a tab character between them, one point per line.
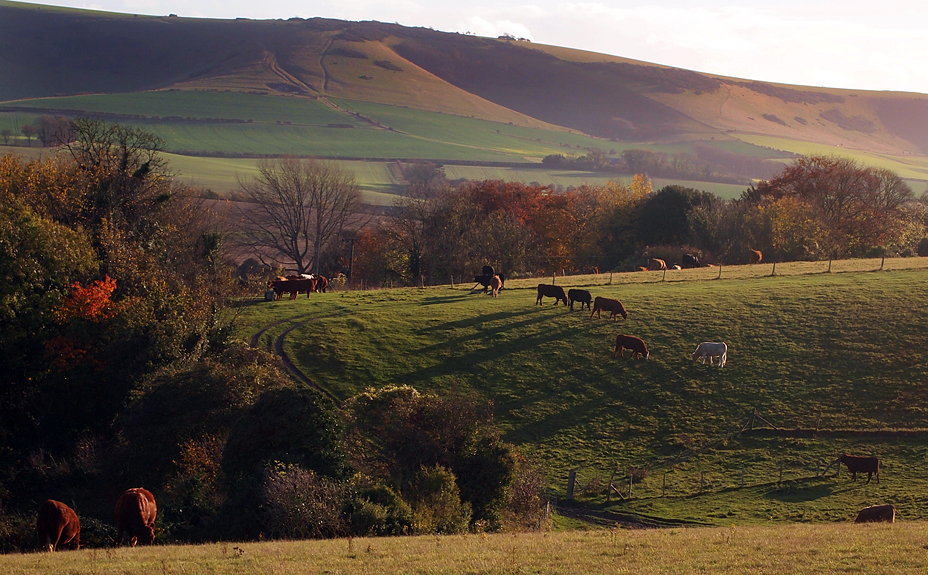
635	344
676	267
690	261
711	350
601	304
868	465
580	295
322	284
292	285
655	264
557	292
642	269
486	280
135	517
495	285
755	256
877	514
57	526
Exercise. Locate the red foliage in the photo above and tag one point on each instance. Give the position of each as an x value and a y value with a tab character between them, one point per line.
91	303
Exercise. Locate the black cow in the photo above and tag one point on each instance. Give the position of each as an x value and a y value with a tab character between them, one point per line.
855	464
580	295
690	261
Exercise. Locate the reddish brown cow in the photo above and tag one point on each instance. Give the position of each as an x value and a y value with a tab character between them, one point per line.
755	256
601	304
655	264
557	292
496	284
322	284
855	464
292	285
135	517
57	526
877	514
635	344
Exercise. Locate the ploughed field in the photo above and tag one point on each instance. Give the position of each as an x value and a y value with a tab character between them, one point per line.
736	549
831	362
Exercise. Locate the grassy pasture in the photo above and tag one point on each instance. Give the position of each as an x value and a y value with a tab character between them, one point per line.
908	167
842	352
733	549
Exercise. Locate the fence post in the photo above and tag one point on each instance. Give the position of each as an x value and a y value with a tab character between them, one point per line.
571	480
883	261
664	277
452	282
610	278
553	277
780	480
829	266
720	273
629	485
664	486
702	481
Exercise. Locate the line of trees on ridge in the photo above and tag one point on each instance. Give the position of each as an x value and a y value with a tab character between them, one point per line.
817	207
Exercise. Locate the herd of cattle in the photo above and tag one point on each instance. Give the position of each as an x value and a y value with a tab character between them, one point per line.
58	526
690	261
705	350
297	284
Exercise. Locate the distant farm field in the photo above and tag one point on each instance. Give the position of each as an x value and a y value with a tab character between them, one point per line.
840	353
908	167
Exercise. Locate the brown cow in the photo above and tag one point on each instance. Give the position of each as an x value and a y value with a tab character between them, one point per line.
322	284
635	344
877	514
601	304
755	256
655	264
557	292
292	285
496	284
868	465
57	526
135	516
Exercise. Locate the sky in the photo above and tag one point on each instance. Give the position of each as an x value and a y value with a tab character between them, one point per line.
855	44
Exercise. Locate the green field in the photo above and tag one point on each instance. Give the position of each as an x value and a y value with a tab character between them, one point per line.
838	352
729	550
908	167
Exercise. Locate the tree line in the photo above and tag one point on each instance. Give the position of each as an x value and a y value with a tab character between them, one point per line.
817	207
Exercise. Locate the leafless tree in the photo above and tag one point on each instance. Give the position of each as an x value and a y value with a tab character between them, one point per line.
297	208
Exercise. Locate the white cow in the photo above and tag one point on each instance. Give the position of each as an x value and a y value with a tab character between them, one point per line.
711	350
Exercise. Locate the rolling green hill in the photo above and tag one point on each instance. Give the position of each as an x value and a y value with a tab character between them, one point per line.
376	91
834	361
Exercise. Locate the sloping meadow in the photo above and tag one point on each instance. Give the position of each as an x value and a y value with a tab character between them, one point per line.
831	363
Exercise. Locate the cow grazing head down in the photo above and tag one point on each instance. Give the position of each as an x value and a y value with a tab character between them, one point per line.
630	342
135	517
601	304
711	350
877	514
57	526
549	290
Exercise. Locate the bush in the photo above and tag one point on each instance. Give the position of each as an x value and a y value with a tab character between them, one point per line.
437	506
379	511
299	504
923	247
290	426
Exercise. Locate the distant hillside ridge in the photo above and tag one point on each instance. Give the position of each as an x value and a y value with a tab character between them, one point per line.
47	51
